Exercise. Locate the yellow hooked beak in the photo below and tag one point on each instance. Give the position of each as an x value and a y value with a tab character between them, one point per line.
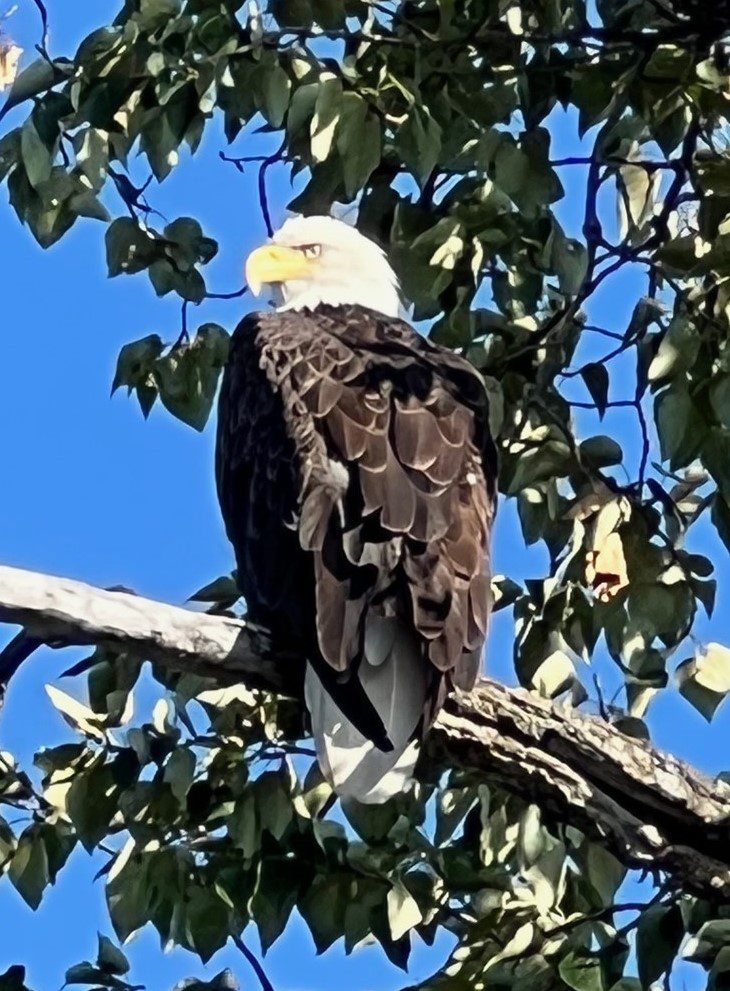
276	263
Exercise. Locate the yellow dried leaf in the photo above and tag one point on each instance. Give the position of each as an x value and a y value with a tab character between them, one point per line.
9	58
606	568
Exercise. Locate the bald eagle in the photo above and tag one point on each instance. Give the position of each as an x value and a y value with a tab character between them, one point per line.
356	477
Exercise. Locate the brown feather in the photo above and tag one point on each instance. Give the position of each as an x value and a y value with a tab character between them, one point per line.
357	476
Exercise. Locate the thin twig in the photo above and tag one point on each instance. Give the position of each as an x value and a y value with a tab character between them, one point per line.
42	48
265	162
255	965
603	332
647	164
613	404
133	196
603	913
184	336
227	295
263	197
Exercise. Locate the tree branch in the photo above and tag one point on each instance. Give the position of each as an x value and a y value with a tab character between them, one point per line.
651	810
264	981
61	611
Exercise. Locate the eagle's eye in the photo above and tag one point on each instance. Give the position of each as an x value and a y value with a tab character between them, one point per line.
311	250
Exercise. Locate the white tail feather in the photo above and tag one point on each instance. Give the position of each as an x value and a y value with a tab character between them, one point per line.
393	676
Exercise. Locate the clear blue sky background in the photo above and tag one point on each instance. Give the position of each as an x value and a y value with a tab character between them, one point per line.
93	492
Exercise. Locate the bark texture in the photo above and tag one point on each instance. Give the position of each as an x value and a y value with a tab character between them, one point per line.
653	811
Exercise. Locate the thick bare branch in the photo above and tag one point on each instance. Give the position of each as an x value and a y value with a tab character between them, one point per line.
70	612
653	811
650	809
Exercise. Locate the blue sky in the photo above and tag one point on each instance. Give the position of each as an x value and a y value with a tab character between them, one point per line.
94	492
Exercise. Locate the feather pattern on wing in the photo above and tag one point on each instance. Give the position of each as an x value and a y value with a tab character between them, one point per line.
356	475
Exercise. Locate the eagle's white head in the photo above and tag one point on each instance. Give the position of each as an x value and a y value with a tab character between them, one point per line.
319	260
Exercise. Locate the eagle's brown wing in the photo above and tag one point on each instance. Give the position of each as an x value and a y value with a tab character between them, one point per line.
396	475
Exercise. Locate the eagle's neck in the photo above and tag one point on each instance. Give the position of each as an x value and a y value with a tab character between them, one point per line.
375	293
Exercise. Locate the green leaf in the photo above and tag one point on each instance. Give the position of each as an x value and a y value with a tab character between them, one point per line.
300	112
223	981
554	675
505	592
582	972
190	245
720	399
208	919
78	716
273	901
326	117
7	836
716	457
85	973
182	247
134	369
128	891
273	88
677	351
604	872
129	248
37	156
29	871
658	936
244	826
292	13
451	810
13	979
660	610
179	772
418	141
601	452
315	794
712	938
274	802
680	426
359	142
10	152
637	190
222	590
680	256
524	173
187	377
166	277
92	802
721	518
531	837
596	379
403	911
713	173
92	155
323	908
704	680
550	460
372	822
569	261
164	133
38	77
331	14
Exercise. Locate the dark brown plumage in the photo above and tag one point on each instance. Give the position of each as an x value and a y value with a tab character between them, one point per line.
356	477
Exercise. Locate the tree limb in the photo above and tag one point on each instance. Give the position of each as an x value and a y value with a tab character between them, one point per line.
650	809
